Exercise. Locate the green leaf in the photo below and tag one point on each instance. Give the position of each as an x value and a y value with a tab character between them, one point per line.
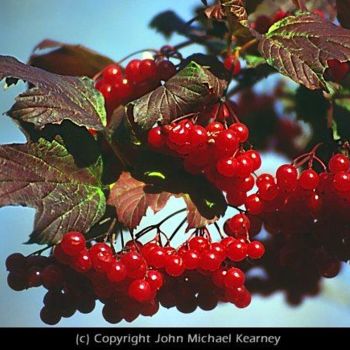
186	92
43	175
131	200
300	47
53	98
254	61
66	59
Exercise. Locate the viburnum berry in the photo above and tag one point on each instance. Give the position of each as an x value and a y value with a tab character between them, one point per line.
165	69
226	142
117	272
215	127
191	259
140	290
155	279
147	69
15	262
112	73
210	260
239	225
227	166
236	251
241	131
309	179
72	243
254	204
255	157
338	163
341	181
337	70
174	265
287	177
132	71
232	64
255	250
198	243
82	262
52	277
234	278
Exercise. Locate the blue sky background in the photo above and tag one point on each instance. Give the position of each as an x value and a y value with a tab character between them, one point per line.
116	28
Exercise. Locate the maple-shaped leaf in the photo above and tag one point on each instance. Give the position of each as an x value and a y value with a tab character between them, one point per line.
186	92
300	47
53	98
194	217
343	12
66	59
44	176
237	8
131	200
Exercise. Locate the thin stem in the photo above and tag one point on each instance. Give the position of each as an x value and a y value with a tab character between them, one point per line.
176	230
170	216
237	208
218	229
38	252
122	237
248	45
135	53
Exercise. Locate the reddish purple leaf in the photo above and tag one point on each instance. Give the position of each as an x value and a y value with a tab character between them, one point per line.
301	46
53	98
44	176
66	59
131	201
186	92
194	218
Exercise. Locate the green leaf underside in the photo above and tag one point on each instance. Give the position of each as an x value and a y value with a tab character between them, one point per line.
54	98
300	46
194	217
66	59
191	88
131	201
43	175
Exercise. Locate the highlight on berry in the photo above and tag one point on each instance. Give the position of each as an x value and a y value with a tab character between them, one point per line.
116	140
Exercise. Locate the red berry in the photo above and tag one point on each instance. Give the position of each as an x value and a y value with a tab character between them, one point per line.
218	277
341	181
33	277
117	272
239	225
337	70
106	90
215	127
309	179
148	69
264	179
132	71
287	177
339	163
178	135
155	279
232	64
174	265
226	143
61	256
241	131
191	259
100	247
237	251
245	166
234	278
262	24
268	191
198	243
255	250
254	204
165	69
157	257
198	136
227	166
82	262
73	243
122	90
132	260
156	138
140	290
112	73
210	260
101	261
255	157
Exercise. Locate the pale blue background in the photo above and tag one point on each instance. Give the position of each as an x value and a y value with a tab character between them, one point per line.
116	28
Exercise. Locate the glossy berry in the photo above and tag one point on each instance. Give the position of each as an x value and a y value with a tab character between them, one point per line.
232	64
140	290
253	204
210	260
112	73
198	243
309	179
241	131
155	138
174	265
52	277
155	279
341	181
234	278
82	262
165	69
237	251
132	71
227	166
215	127
338	163
117	272
72	243
255	250
287	177
239	225
147	70
337	70
255	157
226	142
15	262
191	259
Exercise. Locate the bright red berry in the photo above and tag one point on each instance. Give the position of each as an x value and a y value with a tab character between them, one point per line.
117	272
73	243
338	163
309	179
255	250
287	177
112	73
234	278
140	290
241	130
254	204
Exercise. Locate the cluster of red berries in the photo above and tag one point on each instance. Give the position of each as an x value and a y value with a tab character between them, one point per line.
119	86
78	273
307	203
215	151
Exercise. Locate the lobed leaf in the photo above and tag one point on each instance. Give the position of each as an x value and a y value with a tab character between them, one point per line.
66	59
300	47
186	92
53	98
131	200
44	176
